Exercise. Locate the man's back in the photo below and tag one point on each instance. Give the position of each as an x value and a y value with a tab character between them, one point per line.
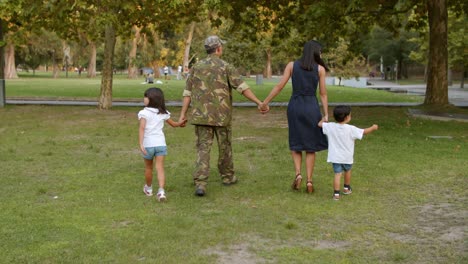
210	91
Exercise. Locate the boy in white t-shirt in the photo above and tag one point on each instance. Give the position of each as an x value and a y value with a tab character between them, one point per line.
341	137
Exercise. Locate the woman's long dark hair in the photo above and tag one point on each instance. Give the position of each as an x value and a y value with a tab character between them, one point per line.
156	99
311	56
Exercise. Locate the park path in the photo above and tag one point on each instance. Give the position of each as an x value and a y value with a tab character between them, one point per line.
457	96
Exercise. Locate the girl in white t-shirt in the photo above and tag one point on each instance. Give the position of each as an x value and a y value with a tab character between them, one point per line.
151	138
341	137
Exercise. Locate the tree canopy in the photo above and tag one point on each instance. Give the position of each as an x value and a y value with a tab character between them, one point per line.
261	31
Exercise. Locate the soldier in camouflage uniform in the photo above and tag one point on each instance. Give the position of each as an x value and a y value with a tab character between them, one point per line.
209	90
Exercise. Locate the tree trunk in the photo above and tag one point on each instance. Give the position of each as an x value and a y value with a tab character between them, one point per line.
450	77
10	67
105	99
132	68
66	56
268	63
92	60
437	85
56	70
425	73
188	43
2	69
462	81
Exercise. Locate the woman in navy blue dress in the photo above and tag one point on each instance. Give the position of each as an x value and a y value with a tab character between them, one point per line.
305	135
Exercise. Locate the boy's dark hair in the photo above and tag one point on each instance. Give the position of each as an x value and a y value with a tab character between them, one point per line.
156	99
341	112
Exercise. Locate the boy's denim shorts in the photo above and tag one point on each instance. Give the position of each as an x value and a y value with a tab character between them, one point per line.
339	167
154	152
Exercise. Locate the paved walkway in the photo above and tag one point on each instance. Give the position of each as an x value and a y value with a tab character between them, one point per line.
457	96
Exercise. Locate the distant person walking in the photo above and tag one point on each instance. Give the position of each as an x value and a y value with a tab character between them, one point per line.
166	72
209	89
152	140
307	74
179	72
341	137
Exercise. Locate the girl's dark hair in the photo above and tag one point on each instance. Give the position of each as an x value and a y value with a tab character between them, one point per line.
156	99
341	112
311	56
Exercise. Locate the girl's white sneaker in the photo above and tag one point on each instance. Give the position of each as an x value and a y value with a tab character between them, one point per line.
148	190
161	196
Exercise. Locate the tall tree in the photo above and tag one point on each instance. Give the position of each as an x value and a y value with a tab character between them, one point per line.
188	44
318	18
10	64
132	65
11	18
105	98
437	85
431	13
2	61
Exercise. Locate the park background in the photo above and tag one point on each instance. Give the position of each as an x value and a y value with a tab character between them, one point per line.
71	176
393	39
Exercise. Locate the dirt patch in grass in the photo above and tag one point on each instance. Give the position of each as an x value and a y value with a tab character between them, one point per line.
439	226
242	253
235	254
443	221
327	244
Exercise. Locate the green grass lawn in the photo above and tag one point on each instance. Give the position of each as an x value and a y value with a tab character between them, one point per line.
43	87
71	183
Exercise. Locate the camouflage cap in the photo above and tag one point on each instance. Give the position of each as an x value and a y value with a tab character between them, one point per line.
212	42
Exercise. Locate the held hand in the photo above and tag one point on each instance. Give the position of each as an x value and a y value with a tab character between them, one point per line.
325	118
263	108
375	127
182	121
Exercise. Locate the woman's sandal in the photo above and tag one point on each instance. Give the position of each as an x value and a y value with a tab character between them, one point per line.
296	185
310	187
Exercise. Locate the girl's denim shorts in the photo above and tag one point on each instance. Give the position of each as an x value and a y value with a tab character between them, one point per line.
339	168
154	152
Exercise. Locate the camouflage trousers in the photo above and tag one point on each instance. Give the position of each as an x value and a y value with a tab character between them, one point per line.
205	136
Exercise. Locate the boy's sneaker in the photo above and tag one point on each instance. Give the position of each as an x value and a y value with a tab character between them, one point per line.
336	196
148	190
161	196
347	190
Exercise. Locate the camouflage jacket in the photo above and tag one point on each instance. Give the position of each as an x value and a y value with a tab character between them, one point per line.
210	85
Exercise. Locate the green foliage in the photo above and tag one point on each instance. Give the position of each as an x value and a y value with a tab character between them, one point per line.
458	40
38	48
255	27
342	62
